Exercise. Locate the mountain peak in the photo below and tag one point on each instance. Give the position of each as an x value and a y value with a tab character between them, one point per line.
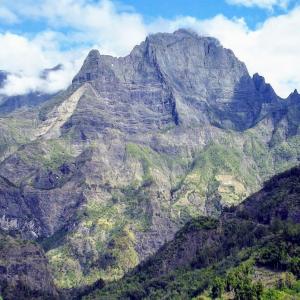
294	94
181	35
182	63
184	31
94	54
294	97
91	67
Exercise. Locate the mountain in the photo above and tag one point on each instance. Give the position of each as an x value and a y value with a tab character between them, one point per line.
103	174
180	78
259	239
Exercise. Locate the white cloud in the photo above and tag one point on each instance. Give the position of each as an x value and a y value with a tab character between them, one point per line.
26	58
266	4
89	24
115	31
272	49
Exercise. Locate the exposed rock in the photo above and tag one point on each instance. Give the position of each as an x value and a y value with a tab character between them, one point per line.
202	82
51	127
24	271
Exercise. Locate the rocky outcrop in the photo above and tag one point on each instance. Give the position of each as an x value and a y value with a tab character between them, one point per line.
37	202
50	128
24	271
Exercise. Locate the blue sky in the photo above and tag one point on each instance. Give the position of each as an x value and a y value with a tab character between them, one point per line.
37	34
253	15
204	9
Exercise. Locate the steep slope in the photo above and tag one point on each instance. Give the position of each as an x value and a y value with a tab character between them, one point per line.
106	172
264	231
24	271
202	82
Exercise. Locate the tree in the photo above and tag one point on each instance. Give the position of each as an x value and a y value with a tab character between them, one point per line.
287	280
217	288
259	289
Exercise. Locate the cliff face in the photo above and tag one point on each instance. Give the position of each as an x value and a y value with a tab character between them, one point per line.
104	173
190	79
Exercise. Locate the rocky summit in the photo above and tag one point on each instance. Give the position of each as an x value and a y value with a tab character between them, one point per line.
103	174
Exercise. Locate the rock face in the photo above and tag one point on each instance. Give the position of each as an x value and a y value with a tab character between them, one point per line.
12	103
24	271
192	79
104	173
38	209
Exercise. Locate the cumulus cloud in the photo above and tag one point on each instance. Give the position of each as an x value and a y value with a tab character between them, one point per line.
102	24
266	4
272	49
111	27
25	59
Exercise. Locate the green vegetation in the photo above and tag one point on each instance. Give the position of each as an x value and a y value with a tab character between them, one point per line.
105	237
288	292
242	256
238	282
15	131
51	154
216	171
149	160
200	223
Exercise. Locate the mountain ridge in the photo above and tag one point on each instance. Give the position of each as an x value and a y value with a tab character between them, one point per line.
171	132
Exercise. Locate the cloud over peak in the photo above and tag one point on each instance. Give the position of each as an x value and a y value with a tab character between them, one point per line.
74	27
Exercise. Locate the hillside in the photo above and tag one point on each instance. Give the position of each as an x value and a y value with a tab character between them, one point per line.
258	241
24	270
103	174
